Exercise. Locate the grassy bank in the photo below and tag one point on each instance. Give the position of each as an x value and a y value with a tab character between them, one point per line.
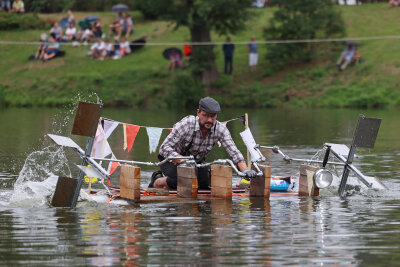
141	79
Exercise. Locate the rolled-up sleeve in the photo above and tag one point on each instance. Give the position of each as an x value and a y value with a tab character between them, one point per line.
229	145
170	146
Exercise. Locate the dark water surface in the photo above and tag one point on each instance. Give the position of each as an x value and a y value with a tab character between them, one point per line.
360	230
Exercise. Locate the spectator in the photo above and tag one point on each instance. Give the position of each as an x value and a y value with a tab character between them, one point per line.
127	26
98	49
40	50
5	5
51	50
228	49
97	29
115	27
253	54
393	3
345	58
109	48
56	31
70	16
174	61
70	33
87	36
18	7
116	48
125	48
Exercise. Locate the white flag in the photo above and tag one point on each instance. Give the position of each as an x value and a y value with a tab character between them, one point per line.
109	127
154	137
101	148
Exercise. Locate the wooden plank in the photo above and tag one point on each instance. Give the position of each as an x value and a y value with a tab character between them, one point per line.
187	182
130	182
260	186
64	192
86	119
221	181
306	183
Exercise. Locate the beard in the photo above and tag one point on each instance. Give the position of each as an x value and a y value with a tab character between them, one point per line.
207	125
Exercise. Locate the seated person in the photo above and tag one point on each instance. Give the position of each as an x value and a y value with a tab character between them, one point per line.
87	36
98	49
98	29
52	49
18	7
56	31
393	3
127	28
40	50
174	61
116	48
125	48
115	27
109	48
70	33
345	58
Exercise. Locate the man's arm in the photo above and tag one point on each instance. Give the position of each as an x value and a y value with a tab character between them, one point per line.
168	147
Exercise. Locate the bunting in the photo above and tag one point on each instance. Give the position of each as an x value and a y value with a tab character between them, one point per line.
130	132
100	148
154	137
109	127
113	165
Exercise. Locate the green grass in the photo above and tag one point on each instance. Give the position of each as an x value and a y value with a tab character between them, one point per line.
141	79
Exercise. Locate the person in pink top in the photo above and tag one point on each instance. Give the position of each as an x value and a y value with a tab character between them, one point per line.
174	61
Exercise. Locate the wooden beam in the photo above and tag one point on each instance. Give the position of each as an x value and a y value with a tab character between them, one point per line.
260	186
130	182
306	183
187	182
221	181
64	192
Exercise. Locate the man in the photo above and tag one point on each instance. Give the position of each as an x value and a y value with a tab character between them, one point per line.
196	135
253	54
228	49
51	50
18	7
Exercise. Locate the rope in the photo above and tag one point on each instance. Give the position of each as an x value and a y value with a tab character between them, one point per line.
327	40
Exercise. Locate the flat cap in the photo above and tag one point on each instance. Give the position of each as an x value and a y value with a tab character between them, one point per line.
209	105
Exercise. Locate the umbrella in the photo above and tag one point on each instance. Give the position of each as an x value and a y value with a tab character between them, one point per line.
91	18
84	23
352	43
167	52
65	23
120	8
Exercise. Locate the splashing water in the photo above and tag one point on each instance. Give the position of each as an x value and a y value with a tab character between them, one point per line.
37	180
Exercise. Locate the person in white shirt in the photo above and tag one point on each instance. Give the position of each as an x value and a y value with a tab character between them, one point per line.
125	49
70	33
87	35
109	49
98	49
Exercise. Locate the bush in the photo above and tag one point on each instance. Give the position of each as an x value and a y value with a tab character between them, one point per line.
184	92
12	21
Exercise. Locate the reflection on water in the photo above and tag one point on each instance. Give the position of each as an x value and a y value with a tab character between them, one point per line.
285	230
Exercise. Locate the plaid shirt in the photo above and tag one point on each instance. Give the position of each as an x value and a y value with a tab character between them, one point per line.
181	136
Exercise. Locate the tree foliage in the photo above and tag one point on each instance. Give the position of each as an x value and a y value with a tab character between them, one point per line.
201	16
299	20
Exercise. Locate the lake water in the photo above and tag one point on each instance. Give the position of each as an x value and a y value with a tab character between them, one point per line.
362	229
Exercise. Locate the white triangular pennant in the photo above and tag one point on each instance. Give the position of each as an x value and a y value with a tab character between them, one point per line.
154	137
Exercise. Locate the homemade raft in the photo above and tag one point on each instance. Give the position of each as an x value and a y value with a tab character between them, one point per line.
311	179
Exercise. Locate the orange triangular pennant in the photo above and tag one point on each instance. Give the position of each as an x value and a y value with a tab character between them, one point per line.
130	132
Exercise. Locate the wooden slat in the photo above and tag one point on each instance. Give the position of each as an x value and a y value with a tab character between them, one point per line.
86	119
187	182
130	182
64	192
306	184
221	181
260	186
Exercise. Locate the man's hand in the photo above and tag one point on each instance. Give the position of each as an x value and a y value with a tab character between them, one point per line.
249	173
